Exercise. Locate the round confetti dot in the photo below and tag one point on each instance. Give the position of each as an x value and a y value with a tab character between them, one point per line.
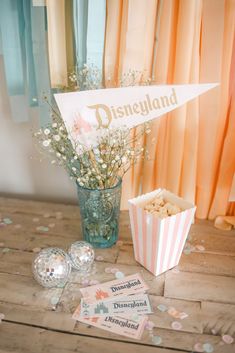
5	250
200	247
18	226
107	270
42	229
114	270
213	331
198	347
183	315
176	325
208	348
162	307
35	219
54	300
93	282
2	317
36	249
99	258
156	340
7	221
51	225
119	275
227	339
149	325
171	311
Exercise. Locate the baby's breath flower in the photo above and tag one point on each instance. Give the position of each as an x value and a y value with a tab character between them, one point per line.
47	131
46	143
56	137
104	166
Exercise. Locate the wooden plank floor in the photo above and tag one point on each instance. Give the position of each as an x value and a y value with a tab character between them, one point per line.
202	285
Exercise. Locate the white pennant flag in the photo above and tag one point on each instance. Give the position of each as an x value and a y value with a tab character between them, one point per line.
85	113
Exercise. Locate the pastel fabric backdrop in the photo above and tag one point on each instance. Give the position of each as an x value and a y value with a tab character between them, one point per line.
192	149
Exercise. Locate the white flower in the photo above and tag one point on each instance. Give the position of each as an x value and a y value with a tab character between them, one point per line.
61	128
75	157
46	131
58	154
74	169
124	159
64	157
46	143
56	137
98	177
53	162
117	158
104	166
54	125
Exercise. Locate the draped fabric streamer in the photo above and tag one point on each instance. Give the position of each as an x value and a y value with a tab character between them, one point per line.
24	50
80	15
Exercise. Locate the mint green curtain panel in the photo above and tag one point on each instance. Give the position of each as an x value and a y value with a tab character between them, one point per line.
24	48
24	51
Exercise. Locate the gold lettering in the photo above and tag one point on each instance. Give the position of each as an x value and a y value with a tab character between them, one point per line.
103	121
136	108
114	112
156	103
144	108
164	100
173	97
149	102
120	112
128	110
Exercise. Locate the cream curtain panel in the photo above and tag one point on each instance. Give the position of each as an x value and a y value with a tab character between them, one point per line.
192	149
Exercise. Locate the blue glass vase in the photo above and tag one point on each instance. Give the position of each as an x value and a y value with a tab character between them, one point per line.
100	209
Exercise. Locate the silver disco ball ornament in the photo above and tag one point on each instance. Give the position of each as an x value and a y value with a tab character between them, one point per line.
51	267
82	256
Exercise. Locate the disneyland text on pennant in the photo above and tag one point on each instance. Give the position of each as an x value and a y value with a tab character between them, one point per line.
86	113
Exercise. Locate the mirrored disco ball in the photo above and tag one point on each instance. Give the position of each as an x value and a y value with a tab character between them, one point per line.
82	256
51	267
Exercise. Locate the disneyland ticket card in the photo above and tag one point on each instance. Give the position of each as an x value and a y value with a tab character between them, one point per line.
121	287
117	324
134	304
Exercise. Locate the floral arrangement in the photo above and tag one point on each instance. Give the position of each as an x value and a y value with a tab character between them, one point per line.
117	148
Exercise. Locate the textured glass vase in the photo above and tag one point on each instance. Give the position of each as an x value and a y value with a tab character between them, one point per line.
99	211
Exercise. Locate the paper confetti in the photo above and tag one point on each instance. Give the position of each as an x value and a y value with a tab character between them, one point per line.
162	307
7	221
198	347
42	229
114	270
119	275
5	250
200	247
156	340
2	224
107	270
176	325
227	339
208	348
36	249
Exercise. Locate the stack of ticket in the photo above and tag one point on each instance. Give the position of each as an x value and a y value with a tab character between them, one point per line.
119	306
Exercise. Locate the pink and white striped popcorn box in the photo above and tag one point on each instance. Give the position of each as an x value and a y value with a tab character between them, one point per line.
158	243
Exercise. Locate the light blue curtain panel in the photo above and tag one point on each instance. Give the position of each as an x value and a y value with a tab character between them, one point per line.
89	20
24	50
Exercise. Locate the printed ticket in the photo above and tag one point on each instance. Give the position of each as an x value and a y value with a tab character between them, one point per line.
117	324
128	285
133	304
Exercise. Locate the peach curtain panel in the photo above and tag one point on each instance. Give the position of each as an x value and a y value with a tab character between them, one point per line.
192	149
